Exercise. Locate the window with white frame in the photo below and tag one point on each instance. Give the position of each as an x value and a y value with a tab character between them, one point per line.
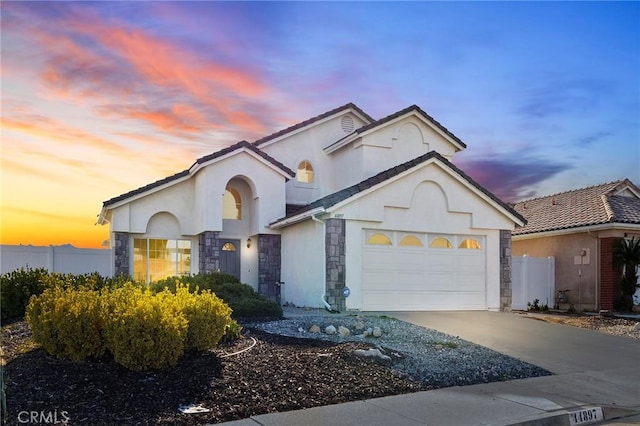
304	174
155	259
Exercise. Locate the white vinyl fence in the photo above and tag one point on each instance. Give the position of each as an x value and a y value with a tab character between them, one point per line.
64	259
532	278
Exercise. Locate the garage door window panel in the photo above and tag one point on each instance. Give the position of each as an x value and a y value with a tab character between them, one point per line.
411	241
379	239
470	243
440	242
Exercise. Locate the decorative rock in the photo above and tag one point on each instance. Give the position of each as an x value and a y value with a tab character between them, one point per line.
377	332
371	353
314	329
344	331
368	332
359	325
330	329
439	347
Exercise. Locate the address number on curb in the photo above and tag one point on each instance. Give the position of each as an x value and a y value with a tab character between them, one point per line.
586	416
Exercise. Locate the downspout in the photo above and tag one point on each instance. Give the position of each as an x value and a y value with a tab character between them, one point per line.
324	293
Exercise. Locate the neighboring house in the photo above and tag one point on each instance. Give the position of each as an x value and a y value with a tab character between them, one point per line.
340	210
579	229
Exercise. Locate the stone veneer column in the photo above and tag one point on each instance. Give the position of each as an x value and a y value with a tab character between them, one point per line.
335	243
269	264
209	251
505	270
121	254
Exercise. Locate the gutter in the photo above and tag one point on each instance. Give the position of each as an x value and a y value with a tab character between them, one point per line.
298	218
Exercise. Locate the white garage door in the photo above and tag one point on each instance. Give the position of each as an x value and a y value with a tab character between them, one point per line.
413	271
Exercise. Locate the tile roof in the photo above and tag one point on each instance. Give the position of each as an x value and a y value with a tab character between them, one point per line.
312	120
202	160
593	205
339	196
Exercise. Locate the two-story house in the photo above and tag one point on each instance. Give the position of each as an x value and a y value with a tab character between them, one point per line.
341	211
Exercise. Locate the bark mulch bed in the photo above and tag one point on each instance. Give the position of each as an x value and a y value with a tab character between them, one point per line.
277	374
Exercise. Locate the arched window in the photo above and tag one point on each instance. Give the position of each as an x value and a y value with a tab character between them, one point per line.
304	173
231	204
469	243
379	239
440	242
410	241
228	247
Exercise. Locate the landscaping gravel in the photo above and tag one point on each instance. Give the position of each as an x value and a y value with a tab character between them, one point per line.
428	356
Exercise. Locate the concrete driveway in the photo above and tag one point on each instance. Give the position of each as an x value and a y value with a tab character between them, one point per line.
592	369
560	349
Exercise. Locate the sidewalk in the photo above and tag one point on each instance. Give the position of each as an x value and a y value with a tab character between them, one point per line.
592	370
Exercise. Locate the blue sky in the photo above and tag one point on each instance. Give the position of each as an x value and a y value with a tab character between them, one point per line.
99	98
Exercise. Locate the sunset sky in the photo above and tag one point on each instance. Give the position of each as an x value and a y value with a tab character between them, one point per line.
99	98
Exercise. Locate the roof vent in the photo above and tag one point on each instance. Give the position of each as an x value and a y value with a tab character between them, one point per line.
347	123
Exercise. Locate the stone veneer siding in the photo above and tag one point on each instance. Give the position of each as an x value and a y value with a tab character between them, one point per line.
505	270
209	251
335	263
121	254
269	264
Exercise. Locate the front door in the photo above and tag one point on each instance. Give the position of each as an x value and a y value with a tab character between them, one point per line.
230	257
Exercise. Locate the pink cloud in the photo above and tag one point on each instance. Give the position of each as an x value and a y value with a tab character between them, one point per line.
87	58
166	65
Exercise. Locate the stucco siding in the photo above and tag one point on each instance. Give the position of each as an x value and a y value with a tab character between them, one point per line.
303	264
575	271
438	202
309	145
399	142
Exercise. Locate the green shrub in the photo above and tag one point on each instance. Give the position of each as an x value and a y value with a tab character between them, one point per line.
66	322
143	330
232	332
16	288
207	316
244	301
537	307
84	316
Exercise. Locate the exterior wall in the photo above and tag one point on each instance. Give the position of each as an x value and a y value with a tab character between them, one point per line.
269	264
303	264
176	200
196	203
335	245
266	186
400	142
577	273
309	145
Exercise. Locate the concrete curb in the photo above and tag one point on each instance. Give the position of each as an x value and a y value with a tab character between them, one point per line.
562	417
